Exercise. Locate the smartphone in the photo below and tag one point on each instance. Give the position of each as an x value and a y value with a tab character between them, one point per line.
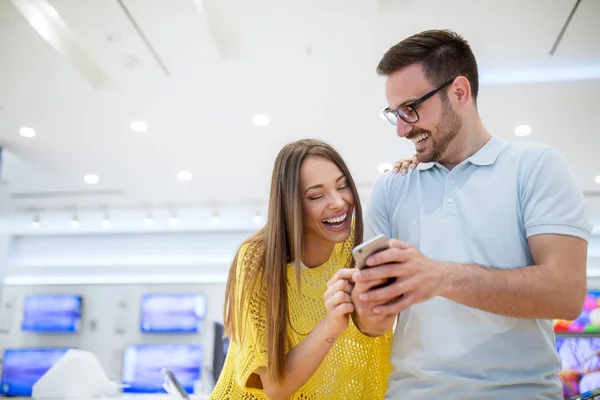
368	248
175	383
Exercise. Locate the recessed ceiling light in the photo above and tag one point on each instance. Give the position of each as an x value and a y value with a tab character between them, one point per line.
260	120
173	221
384	167
91	179
27	132
184	176
139	126
149	221
523	130
597	178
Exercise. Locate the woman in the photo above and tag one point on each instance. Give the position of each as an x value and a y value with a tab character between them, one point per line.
287	300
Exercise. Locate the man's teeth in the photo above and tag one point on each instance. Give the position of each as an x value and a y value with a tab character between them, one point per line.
420	138
337	220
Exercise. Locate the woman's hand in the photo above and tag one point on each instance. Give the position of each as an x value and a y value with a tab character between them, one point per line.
403	166
337	300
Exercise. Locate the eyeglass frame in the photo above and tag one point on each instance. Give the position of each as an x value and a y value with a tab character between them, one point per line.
414	105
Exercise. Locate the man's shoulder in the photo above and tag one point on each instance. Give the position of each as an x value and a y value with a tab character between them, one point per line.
390	183
527	152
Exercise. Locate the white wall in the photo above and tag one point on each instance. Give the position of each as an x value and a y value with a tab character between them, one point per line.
100	313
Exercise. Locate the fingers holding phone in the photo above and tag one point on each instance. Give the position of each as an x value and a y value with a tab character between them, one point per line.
364	316
337	299
419	278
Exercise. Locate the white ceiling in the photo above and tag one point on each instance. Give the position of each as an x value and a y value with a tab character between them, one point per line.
309	65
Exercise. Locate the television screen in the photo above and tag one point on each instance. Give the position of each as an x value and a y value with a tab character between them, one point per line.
172	313
142	365
52	313
580	357
21	368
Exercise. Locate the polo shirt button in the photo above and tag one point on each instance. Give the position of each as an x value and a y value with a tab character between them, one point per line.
452	181
450	200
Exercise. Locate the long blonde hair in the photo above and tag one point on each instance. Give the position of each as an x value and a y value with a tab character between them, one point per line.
280	243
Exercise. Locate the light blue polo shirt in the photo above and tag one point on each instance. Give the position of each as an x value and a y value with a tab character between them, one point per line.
481	212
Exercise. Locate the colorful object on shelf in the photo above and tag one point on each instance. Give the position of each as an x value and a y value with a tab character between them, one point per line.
589	319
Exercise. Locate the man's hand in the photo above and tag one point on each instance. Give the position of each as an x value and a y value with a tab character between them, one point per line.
364	318
418	278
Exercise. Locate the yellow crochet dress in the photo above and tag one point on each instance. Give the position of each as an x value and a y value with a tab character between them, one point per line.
357	366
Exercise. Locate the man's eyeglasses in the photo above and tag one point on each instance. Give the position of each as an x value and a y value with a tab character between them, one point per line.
408	113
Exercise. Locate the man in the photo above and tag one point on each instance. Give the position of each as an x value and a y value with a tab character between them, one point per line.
491	240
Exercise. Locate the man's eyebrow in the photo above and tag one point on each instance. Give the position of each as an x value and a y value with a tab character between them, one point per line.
404	104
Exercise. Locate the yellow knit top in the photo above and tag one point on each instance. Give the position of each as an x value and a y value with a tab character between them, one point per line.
356	367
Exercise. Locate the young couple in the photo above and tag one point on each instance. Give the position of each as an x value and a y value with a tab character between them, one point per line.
474	319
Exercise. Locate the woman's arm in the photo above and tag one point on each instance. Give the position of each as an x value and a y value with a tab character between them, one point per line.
303	360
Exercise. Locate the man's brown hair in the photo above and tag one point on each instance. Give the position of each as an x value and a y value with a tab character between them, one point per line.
443	54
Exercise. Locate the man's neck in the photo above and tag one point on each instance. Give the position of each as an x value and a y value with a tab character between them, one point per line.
471	138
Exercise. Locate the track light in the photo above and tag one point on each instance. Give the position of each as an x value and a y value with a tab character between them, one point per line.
75	222
35	224
214	219
149	221
174	220
258	219
106	223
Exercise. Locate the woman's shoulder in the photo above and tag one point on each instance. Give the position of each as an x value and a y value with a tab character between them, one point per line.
249	262
250	253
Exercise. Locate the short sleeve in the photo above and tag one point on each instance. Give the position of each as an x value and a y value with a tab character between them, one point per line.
552	202
252	350
377	218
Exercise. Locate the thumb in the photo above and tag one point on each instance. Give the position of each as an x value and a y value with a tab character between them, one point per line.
399	244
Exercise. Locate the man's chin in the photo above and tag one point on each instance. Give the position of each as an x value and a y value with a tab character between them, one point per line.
425	158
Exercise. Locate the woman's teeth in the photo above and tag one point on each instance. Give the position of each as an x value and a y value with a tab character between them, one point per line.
336	221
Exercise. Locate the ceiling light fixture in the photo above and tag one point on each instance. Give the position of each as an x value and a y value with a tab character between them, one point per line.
35	224
91	179
214	219
139	126
75	222
27	132
258	219
149	221
174	220
184	176
52	11
106	223
523	130
260	120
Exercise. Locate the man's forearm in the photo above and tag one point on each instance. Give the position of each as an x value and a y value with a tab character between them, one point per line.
535	291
